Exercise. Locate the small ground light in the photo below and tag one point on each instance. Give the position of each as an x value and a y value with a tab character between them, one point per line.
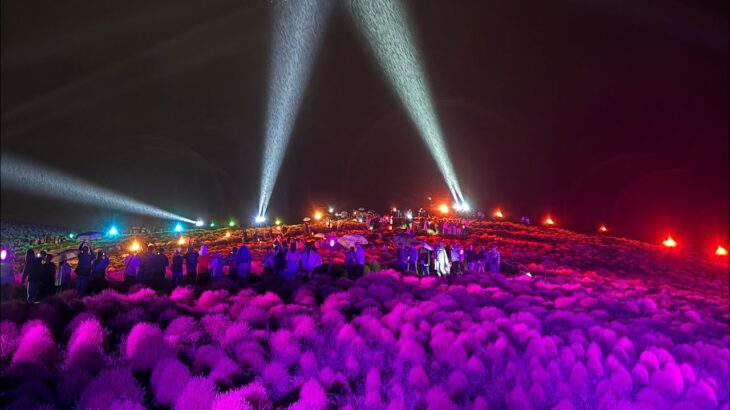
212	224
113	231
720	251
134	247
332	243
669	242
198	223
318	215
602	229
228	234
3	254
444	209
498	214
549	221
178	227
181	241
71	236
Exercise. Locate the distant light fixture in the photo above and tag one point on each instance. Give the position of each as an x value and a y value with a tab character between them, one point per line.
498	214
549	221
318	215
3	254
199	223
212	224
444	209
260	219
113	231
181	241
720	251
134	247
71	236
670	242
332	243
178	227
330	209
231	223
277	222
228	234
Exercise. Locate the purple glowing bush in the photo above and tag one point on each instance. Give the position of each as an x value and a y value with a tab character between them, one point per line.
111	385
145	346
198	394
8	340
86	347
36	345
311	397
168	379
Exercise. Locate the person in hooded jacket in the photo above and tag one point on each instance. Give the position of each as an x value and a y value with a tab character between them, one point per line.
98	270
177	269
204	266
216	267
243	264
230	261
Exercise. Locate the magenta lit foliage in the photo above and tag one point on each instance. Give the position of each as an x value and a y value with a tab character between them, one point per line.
110	386
601	323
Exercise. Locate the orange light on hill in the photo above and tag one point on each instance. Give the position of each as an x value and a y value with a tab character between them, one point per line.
549	221
181	241
720	251
602	229
444	209
228	234
318	215
134	247
669	242
498	214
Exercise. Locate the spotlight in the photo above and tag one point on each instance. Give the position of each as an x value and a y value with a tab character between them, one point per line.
113	231
720	251
602	229
444	209
231	223
198	223
669	242
3	254
498	214
318	215
549	221
134	247
260	219
39	180
465	207
181	241
298	28
178	227
387	30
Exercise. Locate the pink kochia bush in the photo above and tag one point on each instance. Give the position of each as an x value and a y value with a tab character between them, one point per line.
603	323
145	346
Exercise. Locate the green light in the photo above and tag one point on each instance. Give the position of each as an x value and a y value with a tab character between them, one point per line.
71	236
232	223
212	224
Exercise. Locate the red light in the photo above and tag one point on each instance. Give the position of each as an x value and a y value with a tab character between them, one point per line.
549	221
670	242
603	229
498	214
444	209
721	251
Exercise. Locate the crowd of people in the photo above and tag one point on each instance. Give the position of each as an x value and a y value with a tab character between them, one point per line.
444	260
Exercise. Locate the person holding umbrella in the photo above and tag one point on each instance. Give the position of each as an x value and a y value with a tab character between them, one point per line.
424	259
359	261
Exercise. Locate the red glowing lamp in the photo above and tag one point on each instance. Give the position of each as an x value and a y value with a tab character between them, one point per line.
444	209
720	251
602	229
670	242
549	221
498	214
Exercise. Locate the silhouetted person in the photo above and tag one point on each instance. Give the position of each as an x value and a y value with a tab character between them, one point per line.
495	260
191	264
63	275
160	267
230	261
148	267
83	268
359	261
49	276
33	274
216	267
177	269
243	264
204	266
132	265
98	270
310	261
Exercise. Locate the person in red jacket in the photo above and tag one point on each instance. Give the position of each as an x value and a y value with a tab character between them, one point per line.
203	263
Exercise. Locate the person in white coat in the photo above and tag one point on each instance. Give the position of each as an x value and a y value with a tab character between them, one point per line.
292	261
441	261
310	261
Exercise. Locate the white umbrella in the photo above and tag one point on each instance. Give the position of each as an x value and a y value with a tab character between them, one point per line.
89	236
307	219
319	235
66	255
349	241
427	246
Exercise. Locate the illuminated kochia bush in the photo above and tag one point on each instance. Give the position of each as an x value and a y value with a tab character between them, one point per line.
572	338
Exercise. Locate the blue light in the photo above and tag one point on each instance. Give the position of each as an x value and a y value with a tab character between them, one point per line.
113	231
178	227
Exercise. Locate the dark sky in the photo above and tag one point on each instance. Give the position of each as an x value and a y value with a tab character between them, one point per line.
596	110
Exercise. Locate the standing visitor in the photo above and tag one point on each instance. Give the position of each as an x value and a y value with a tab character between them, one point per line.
292	261
310	261
191	264
216	267
177	269
230	261
132	264
359	261
424	260
350	262
495	260
442	261
162	262
481	257
243	265
98	271
401	258
7	276
33	275
148	267
470	256
63	275
49	276
456	256
412	258
83	268
203	266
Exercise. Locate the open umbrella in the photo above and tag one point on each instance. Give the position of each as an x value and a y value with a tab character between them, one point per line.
349	241
319	235
66	255
307	219
405	240
89	236
427	246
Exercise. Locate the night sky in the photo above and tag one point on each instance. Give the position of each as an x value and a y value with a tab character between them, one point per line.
595	111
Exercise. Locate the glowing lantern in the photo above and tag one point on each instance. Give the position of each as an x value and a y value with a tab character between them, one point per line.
669	242
228	234
444	209
3	254
549	221
602	229
719	252
181	241
134	247
498	214
318	215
